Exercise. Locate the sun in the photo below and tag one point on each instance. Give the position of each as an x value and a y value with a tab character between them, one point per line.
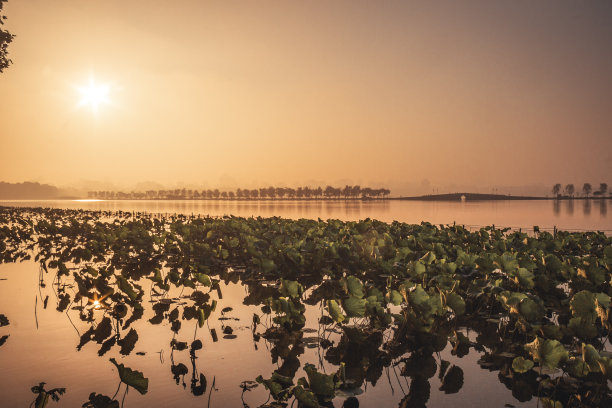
94	94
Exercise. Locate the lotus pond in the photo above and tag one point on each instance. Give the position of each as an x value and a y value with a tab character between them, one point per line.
110	309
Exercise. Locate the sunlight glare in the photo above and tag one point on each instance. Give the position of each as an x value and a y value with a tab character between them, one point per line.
94	95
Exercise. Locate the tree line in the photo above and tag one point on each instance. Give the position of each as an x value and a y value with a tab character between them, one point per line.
329	192
587	189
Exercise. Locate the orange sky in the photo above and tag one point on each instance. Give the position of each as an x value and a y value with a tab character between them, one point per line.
486	93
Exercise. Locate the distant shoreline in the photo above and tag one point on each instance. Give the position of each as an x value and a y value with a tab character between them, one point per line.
453	197
490	197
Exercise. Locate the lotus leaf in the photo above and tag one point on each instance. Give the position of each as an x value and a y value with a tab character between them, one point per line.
291	289
322	385
354	286
354	306
132	378
591	357
549	353
456	303
306	398
335	312
520	365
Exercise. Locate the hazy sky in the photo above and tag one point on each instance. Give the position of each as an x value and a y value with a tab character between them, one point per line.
488	93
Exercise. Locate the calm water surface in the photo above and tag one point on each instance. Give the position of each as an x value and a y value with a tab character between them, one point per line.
48	352
568	215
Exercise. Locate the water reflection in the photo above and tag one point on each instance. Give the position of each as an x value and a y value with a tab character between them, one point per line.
586	207
516	214
556	207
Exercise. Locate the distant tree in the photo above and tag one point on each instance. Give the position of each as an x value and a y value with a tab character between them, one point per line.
271	192
556	189
586	189
603	188
569	190
5	39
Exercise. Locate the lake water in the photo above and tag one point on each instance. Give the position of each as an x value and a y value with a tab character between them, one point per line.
567	215
42	347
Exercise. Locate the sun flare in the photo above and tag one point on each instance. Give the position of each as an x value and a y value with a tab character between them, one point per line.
94	95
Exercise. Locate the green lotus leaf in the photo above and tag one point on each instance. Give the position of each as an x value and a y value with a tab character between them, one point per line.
132	378
552	331
450	267
577	367
603	300
512	299
605	365
375	292
583	305
419	297
582	328
354	306
416	269
524	278
291	289
456	303
549	353
203	279
275	388
334	311
355	287
465	259
428	258
322	385
530	310
395	297
267	265
591	357
550	403
305	398
553	264
520	365
508	262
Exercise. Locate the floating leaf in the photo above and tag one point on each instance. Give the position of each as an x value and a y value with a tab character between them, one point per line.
520	365
355	287
335	312
132	378
100	401
456	303
354	306
548	353
322	385
306	398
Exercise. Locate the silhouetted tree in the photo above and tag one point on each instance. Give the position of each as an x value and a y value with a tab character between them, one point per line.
603	188
569	190
556	189
586	189
5	39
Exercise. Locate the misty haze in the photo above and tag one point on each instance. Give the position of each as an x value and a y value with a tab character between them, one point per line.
305	204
